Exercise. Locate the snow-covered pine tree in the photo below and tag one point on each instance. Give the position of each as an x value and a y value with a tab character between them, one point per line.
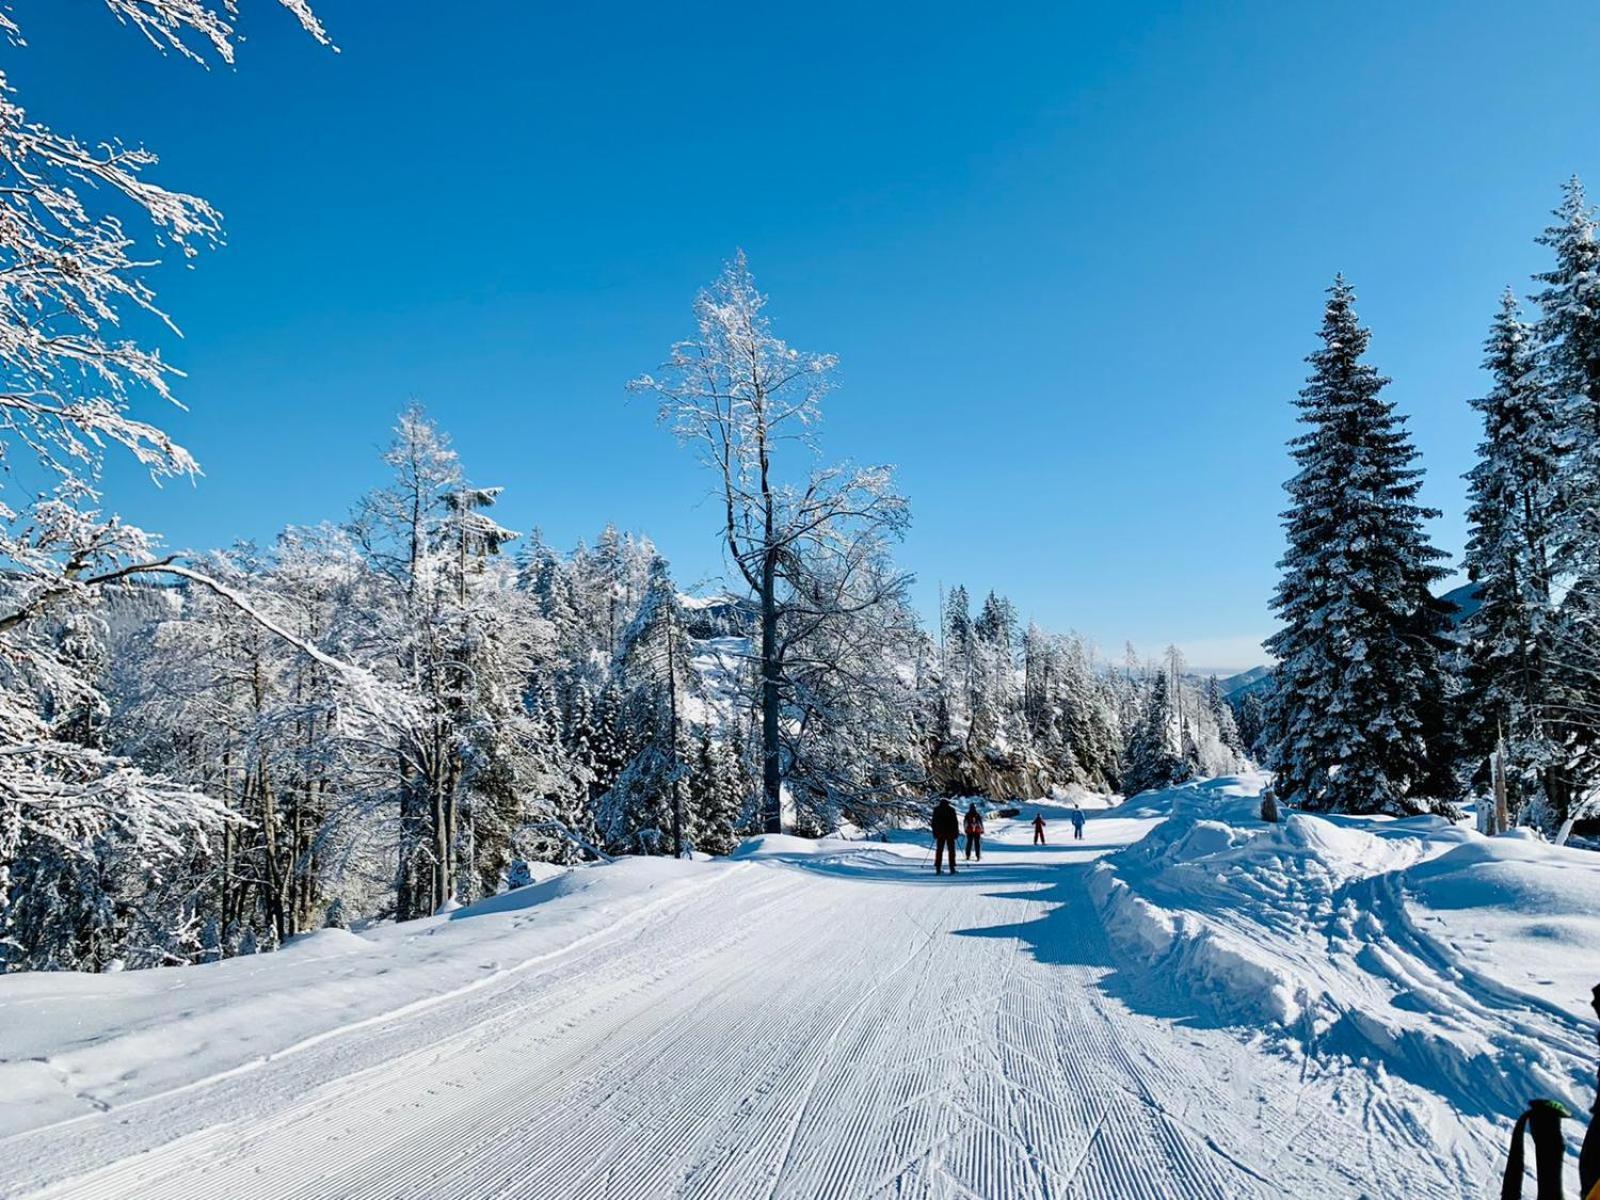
1357	718
652	661
957	671
1222	714
1512	503
1250	715
716	799
1153	758
994	702
1568	332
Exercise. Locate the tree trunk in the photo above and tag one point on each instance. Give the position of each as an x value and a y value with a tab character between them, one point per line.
771	671
672	734
273	889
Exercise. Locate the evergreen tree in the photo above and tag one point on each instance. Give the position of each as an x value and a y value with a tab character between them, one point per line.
648	805
715	796
958	681
1153	757
1568	332
1357	719
1222	713
1512	506
1250	715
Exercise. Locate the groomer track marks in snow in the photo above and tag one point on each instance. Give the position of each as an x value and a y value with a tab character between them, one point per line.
833	1024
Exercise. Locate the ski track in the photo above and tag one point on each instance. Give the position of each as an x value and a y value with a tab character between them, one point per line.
790	1031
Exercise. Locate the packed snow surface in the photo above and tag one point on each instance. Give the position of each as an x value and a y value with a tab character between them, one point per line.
1186	1002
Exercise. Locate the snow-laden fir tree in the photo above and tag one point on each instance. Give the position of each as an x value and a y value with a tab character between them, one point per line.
1568	333
648	804
1222	713
1357	716
1512	508
717	795
1154	757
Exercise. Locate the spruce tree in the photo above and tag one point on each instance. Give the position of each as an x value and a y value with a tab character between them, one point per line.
1569	348
1511	494
1568	333
1222	713
1357	719
1153	758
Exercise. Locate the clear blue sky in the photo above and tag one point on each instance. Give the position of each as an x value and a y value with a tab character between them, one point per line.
1071	256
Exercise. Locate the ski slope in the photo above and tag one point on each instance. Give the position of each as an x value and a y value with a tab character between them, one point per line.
806	1020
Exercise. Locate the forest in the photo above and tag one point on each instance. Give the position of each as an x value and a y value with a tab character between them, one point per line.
401	709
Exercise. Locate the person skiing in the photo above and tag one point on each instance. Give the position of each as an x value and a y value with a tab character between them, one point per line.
1038	829
1077	823
974	829
945	828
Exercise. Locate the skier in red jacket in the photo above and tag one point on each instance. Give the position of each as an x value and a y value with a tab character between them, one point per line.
1038	829
974	830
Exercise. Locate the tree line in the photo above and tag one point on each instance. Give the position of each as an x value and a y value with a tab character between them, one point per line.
378	717
1385	700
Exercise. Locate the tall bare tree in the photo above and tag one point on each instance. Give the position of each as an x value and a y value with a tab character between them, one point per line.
749	403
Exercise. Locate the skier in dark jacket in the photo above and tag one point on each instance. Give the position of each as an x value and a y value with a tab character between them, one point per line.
974	830
1038	829
945	828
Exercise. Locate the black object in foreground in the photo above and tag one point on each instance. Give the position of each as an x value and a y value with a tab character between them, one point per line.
1543	1119
1589	1156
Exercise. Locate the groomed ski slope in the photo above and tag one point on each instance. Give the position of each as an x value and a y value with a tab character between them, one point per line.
808	1020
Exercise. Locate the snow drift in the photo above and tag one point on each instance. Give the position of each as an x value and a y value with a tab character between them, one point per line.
1419	947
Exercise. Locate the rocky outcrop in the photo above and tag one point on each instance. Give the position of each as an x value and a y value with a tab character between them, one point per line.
955	770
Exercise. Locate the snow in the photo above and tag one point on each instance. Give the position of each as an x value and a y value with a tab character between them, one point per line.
1188	1002
74	1043
1519	912
1460	963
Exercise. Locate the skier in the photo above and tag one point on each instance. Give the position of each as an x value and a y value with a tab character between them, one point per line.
974	827
1077	823
1038	829
945	828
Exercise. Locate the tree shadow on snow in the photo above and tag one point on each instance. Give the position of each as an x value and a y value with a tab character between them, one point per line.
1069	933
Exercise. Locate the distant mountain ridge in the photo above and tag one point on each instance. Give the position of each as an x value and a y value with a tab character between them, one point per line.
1256	679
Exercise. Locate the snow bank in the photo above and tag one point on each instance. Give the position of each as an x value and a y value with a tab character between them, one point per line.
1424	948
1518	911
73	1043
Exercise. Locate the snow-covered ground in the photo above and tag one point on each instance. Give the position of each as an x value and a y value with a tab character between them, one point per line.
1186	1003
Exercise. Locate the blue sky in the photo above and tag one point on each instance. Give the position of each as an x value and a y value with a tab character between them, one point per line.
1071	256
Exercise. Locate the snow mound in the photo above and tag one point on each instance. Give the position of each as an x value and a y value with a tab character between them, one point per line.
1412	943
1518	911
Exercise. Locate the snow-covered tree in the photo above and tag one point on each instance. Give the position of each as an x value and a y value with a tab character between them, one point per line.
1509	556
1222	713
1154	757
796	533
649	802
80	227
1568	334
1358	712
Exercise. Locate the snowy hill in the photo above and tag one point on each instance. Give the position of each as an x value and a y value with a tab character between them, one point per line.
1187	1002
